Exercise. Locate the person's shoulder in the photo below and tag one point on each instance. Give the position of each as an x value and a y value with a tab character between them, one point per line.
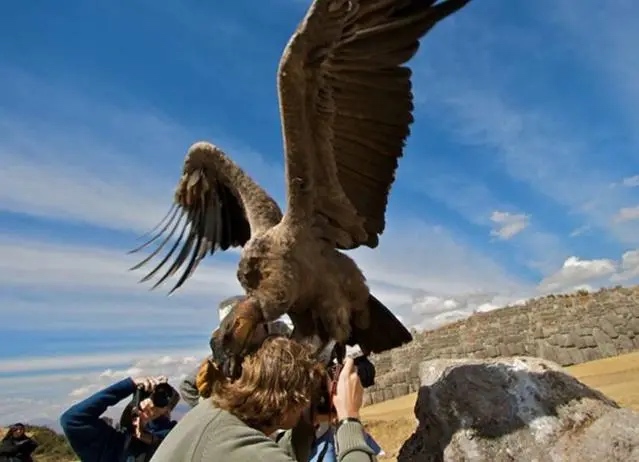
203	412
209	433
184	440
224	425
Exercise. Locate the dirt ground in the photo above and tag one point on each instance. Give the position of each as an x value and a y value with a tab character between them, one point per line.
392	422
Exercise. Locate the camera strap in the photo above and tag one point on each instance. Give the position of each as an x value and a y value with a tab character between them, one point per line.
320	456
336	370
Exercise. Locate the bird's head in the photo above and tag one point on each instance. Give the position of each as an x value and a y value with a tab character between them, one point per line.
241	332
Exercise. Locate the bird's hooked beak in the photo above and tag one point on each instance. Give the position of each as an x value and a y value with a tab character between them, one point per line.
241	332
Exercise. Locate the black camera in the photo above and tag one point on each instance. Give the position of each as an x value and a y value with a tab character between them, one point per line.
365	371
162	395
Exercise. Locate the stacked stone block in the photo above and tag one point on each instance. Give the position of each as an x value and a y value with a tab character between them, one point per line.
567	329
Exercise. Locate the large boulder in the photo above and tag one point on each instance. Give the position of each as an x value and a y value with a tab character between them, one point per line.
515	409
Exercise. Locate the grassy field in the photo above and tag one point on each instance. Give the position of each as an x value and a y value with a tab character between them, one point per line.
391	422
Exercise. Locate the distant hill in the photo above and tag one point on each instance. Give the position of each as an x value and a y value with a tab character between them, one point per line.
52	447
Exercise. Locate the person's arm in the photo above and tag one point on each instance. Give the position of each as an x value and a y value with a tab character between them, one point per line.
350	443
188	390
27	446
82	423
350	437
8	447
154	435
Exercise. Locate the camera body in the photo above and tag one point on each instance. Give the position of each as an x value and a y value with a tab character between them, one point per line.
365	371
161	396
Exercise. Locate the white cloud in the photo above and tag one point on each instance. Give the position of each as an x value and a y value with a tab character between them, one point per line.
83	361
472	90
46	395
629	266
417	256
430	310
534	154
47	189
109	173
631	181
112	174
508	224
575	272
35	264
627	214
476	202
413	257
580	230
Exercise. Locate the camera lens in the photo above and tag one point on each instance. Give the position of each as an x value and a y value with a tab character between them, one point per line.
162	394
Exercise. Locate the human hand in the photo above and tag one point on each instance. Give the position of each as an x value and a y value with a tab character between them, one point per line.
349	394
138	430
149	383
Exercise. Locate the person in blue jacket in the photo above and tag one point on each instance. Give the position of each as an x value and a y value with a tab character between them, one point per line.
143	425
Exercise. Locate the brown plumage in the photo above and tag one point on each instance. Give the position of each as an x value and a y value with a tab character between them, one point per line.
346	106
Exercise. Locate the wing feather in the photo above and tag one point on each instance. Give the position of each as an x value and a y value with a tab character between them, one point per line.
208	214
358	102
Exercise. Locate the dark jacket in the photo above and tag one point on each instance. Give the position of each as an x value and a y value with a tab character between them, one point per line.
17	449
94	440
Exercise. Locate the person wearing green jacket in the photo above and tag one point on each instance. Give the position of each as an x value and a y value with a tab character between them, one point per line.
273	391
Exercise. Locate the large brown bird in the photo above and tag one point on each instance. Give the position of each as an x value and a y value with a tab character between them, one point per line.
346	106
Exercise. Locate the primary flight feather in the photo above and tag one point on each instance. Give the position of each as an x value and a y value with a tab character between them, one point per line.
346	107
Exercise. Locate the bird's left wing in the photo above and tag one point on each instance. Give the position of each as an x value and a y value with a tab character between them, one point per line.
347	104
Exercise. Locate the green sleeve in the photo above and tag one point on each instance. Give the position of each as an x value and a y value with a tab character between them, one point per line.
188	390
350	444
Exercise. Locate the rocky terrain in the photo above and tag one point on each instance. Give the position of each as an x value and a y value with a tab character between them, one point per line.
566	329
515	408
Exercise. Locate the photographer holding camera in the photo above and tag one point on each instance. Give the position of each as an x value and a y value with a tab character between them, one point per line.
16	446
144	422
276	389
326	420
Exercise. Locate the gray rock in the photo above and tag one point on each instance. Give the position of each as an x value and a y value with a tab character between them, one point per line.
515	409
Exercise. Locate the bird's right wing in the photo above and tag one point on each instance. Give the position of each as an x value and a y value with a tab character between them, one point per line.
217	206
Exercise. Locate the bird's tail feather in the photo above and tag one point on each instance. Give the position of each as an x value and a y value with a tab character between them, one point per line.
385	331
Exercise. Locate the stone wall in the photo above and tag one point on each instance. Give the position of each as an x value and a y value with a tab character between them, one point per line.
566	329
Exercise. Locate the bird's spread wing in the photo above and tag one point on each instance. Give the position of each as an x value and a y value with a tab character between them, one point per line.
344	81
209	213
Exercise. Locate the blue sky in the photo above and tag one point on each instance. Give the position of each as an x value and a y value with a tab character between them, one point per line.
521	175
